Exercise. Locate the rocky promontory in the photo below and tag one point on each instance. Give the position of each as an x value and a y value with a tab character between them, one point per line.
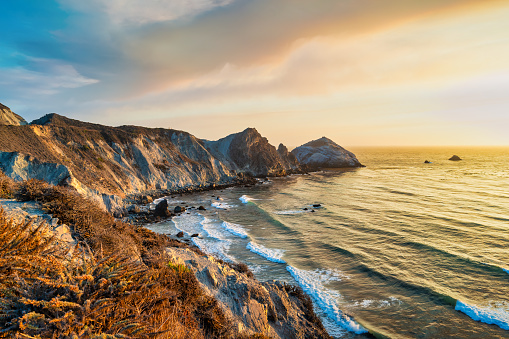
325	153
248	152
107	164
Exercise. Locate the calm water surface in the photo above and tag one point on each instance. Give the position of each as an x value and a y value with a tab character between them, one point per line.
400	248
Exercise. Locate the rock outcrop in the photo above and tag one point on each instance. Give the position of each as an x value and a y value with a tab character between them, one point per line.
455	158
271	308
250	153
324	153
288	160
8	117
106	163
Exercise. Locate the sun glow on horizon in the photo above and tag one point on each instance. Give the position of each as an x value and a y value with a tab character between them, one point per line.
361	73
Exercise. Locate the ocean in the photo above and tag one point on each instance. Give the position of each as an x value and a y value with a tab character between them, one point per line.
400	248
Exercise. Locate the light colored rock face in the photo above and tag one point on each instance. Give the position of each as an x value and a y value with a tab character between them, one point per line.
105	163
23	167
248	152
252	307
31	211
7	117
325	153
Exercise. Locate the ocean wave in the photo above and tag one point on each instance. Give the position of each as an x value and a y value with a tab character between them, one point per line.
217	248
496	314
506	270
211	228
290	212
366	303
222	205
270	254
236	229
189	223
312	282
245	199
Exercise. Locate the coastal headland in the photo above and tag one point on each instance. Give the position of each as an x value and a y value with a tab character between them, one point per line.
81	177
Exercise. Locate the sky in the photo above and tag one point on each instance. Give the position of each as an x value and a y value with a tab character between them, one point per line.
361	72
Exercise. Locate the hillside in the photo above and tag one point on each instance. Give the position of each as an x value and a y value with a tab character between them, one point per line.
107	163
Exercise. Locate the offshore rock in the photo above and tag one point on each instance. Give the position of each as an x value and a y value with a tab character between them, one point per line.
455	158
325	153
272	308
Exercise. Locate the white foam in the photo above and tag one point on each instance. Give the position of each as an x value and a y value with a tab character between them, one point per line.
506	270
495	314
245	199
188	223
157	201
290	212
366	303
236	229
270	254
222	205
211	228
214	247
312	282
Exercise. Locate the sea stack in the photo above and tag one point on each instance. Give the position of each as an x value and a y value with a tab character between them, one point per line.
325	153
455	158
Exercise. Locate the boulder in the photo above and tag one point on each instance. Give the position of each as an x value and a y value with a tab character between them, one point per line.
427	162
195	235
146	199
135	209
161	209
325	153
180	234
179	209
455	158
201	208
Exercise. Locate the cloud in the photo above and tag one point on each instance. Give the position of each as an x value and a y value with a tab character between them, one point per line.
41	77
139	12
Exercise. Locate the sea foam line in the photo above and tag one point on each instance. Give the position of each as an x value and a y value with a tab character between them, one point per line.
326	299
488	315
270	254
236	229
245	199
222	205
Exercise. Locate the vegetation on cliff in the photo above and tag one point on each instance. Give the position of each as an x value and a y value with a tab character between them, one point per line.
119	282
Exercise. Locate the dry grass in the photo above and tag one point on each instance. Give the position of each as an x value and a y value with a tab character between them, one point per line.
121	286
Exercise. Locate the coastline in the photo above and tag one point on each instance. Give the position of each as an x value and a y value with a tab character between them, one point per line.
255	310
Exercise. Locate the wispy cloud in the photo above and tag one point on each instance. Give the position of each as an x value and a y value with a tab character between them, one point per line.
41	77
139	12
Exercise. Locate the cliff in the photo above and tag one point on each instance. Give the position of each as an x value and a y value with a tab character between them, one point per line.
8	117
274	309
250	153
103	162
324	153
107	163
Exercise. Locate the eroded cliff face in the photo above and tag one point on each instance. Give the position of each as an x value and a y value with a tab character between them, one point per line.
104	162
8	117
270	308
250	153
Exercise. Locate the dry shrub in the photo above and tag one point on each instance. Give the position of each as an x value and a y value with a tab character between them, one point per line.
45	295
7	186
30	189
